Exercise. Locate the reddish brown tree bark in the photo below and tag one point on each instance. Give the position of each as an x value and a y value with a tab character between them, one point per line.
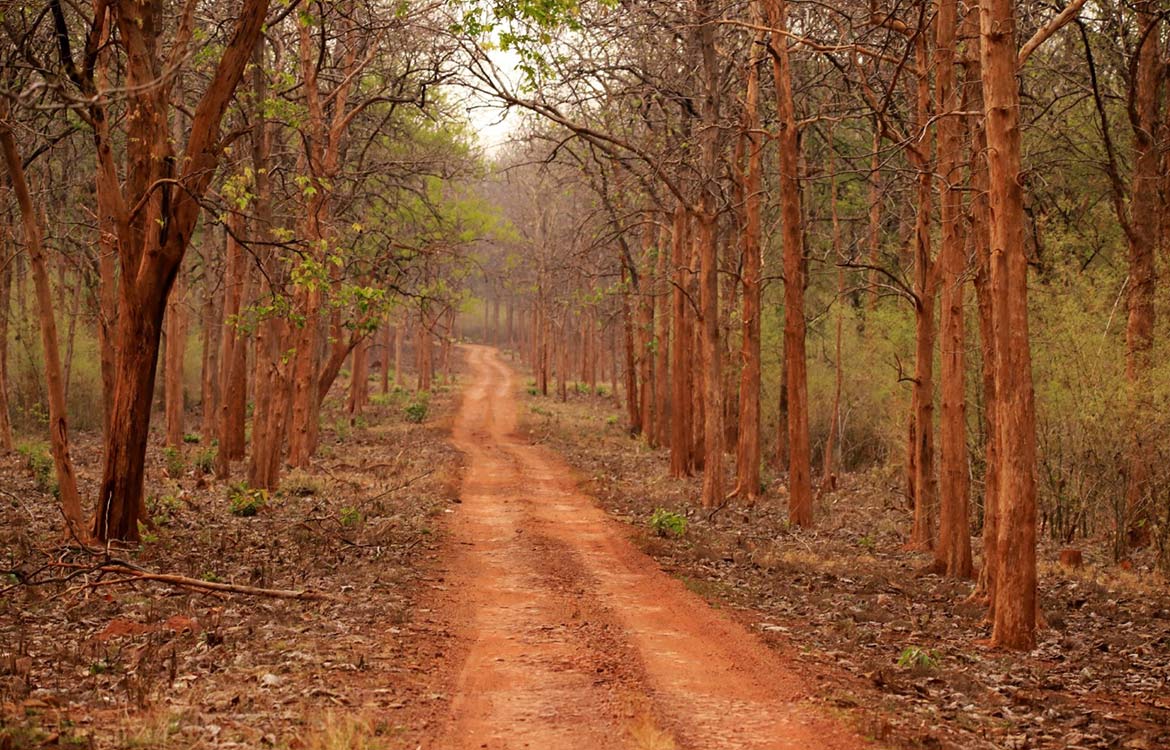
796	380
55	385
953	553
1015	608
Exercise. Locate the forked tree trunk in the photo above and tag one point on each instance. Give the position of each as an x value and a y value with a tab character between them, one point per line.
747	462
34	246
953	553
152	236
800	511
1015	590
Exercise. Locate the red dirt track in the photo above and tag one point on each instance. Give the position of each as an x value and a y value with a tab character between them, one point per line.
575	639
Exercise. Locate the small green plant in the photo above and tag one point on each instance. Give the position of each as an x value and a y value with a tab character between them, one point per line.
204	460
668	523
192	438
175	462
918	659
350	517
540	410
212	577
163	510
245	501
416	410
611	420
533	390
359	422
341	429
39	462
867	542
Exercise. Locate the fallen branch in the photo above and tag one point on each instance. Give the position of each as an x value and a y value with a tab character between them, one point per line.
135	573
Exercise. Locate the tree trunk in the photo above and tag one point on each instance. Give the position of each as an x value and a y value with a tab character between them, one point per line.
1142	238
796	381
920	463
34	246
747	462
6	261
359	381
233	357
1015	590
211	343
680	421
154	220
953	553
828	478
176	326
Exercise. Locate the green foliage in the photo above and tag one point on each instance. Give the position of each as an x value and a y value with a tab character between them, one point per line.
416	410
192	438
246	501
163	510
39	462
174	460
350	517
918	659
666	523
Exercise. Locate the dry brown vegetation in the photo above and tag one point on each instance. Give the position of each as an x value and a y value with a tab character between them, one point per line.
88	662
894	647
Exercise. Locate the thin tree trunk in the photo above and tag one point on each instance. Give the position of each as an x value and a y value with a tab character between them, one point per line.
6	262
34	246
747	462
800	511
176	325
681	463
953	553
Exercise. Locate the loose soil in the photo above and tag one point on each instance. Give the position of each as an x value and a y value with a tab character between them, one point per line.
575	638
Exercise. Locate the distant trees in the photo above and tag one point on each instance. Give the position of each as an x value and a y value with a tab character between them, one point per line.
910	183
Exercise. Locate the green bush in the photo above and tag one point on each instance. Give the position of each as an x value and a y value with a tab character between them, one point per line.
39	461
175	462
667	523
416	411
245	501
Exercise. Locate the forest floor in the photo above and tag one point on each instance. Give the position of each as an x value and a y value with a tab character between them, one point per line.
893	647
93	663
478	596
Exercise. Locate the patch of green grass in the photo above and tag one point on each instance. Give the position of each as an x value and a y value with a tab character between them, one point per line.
204	460
192	438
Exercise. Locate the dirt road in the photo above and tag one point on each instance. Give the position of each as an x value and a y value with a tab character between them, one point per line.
574	638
